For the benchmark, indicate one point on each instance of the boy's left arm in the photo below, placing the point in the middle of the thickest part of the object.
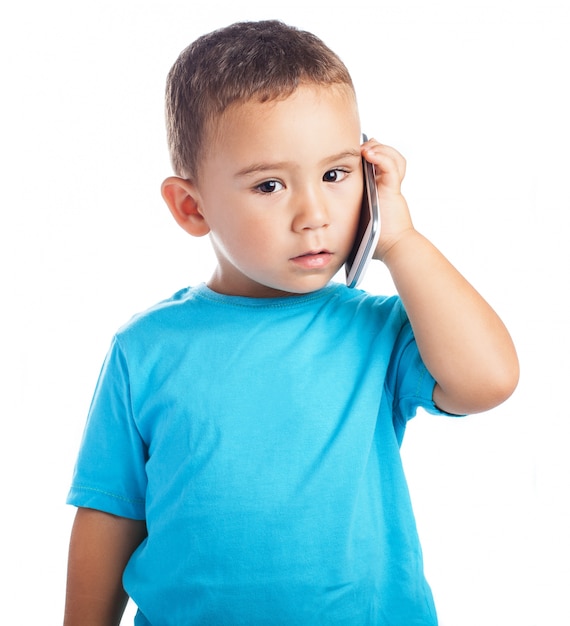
(462, 341)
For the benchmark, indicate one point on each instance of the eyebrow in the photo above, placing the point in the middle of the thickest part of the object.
(256, 168)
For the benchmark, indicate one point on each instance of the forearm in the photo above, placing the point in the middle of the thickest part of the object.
(463, 343)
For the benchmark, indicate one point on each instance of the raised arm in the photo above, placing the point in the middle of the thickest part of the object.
(100, 547)
(463, 343)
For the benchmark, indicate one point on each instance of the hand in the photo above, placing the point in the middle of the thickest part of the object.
(395, 219)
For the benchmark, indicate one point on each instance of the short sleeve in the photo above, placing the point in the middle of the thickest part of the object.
(409, 382)
(110, 470)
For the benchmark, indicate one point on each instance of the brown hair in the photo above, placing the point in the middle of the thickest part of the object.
(264, 60)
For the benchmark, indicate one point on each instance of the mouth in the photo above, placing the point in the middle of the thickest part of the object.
(314, 259)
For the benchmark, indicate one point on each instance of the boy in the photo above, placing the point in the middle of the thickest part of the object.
(240, 463)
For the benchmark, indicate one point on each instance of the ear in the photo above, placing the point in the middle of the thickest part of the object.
(183, 200)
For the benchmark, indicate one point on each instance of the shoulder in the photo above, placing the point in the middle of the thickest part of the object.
(379, 308)
(194, 309)
(166, 314)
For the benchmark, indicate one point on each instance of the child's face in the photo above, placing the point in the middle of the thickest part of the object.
(280, 189)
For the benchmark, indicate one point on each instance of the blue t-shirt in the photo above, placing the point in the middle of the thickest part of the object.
(259, 439)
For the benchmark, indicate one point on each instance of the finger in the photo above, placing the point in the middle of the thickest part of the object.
(388, 161)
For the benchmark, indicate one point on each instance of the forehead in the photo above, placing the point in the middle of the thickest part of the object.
(313, 119)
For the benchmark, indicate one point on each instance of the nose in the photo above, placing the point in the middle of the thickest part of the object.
(310, 211)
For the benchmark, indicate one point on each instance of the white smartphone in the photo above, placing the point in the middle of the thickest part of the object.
(368, 227)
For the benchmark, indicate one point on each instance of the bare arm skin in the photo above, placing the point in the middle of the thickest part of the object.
(100, 546)
(462, 341)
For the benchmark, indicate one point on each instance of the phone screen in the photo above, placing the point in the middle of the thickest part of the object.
(368, 228)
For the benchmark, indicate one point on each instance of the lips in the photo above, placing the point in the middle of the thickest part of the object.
(314, 259)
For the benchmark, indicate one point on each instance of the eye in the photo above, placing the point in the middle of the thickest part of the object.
(335, 176)
(269, 186)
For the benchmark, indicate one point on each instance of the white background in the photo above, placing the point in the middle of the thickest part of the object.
(474, 94)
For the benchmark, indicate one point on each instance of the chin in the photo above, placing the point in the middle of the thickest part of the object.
(309, 286)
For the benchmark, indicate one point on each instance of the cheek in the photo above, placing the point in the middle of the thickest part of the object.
(351, 217)
(249, 239)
